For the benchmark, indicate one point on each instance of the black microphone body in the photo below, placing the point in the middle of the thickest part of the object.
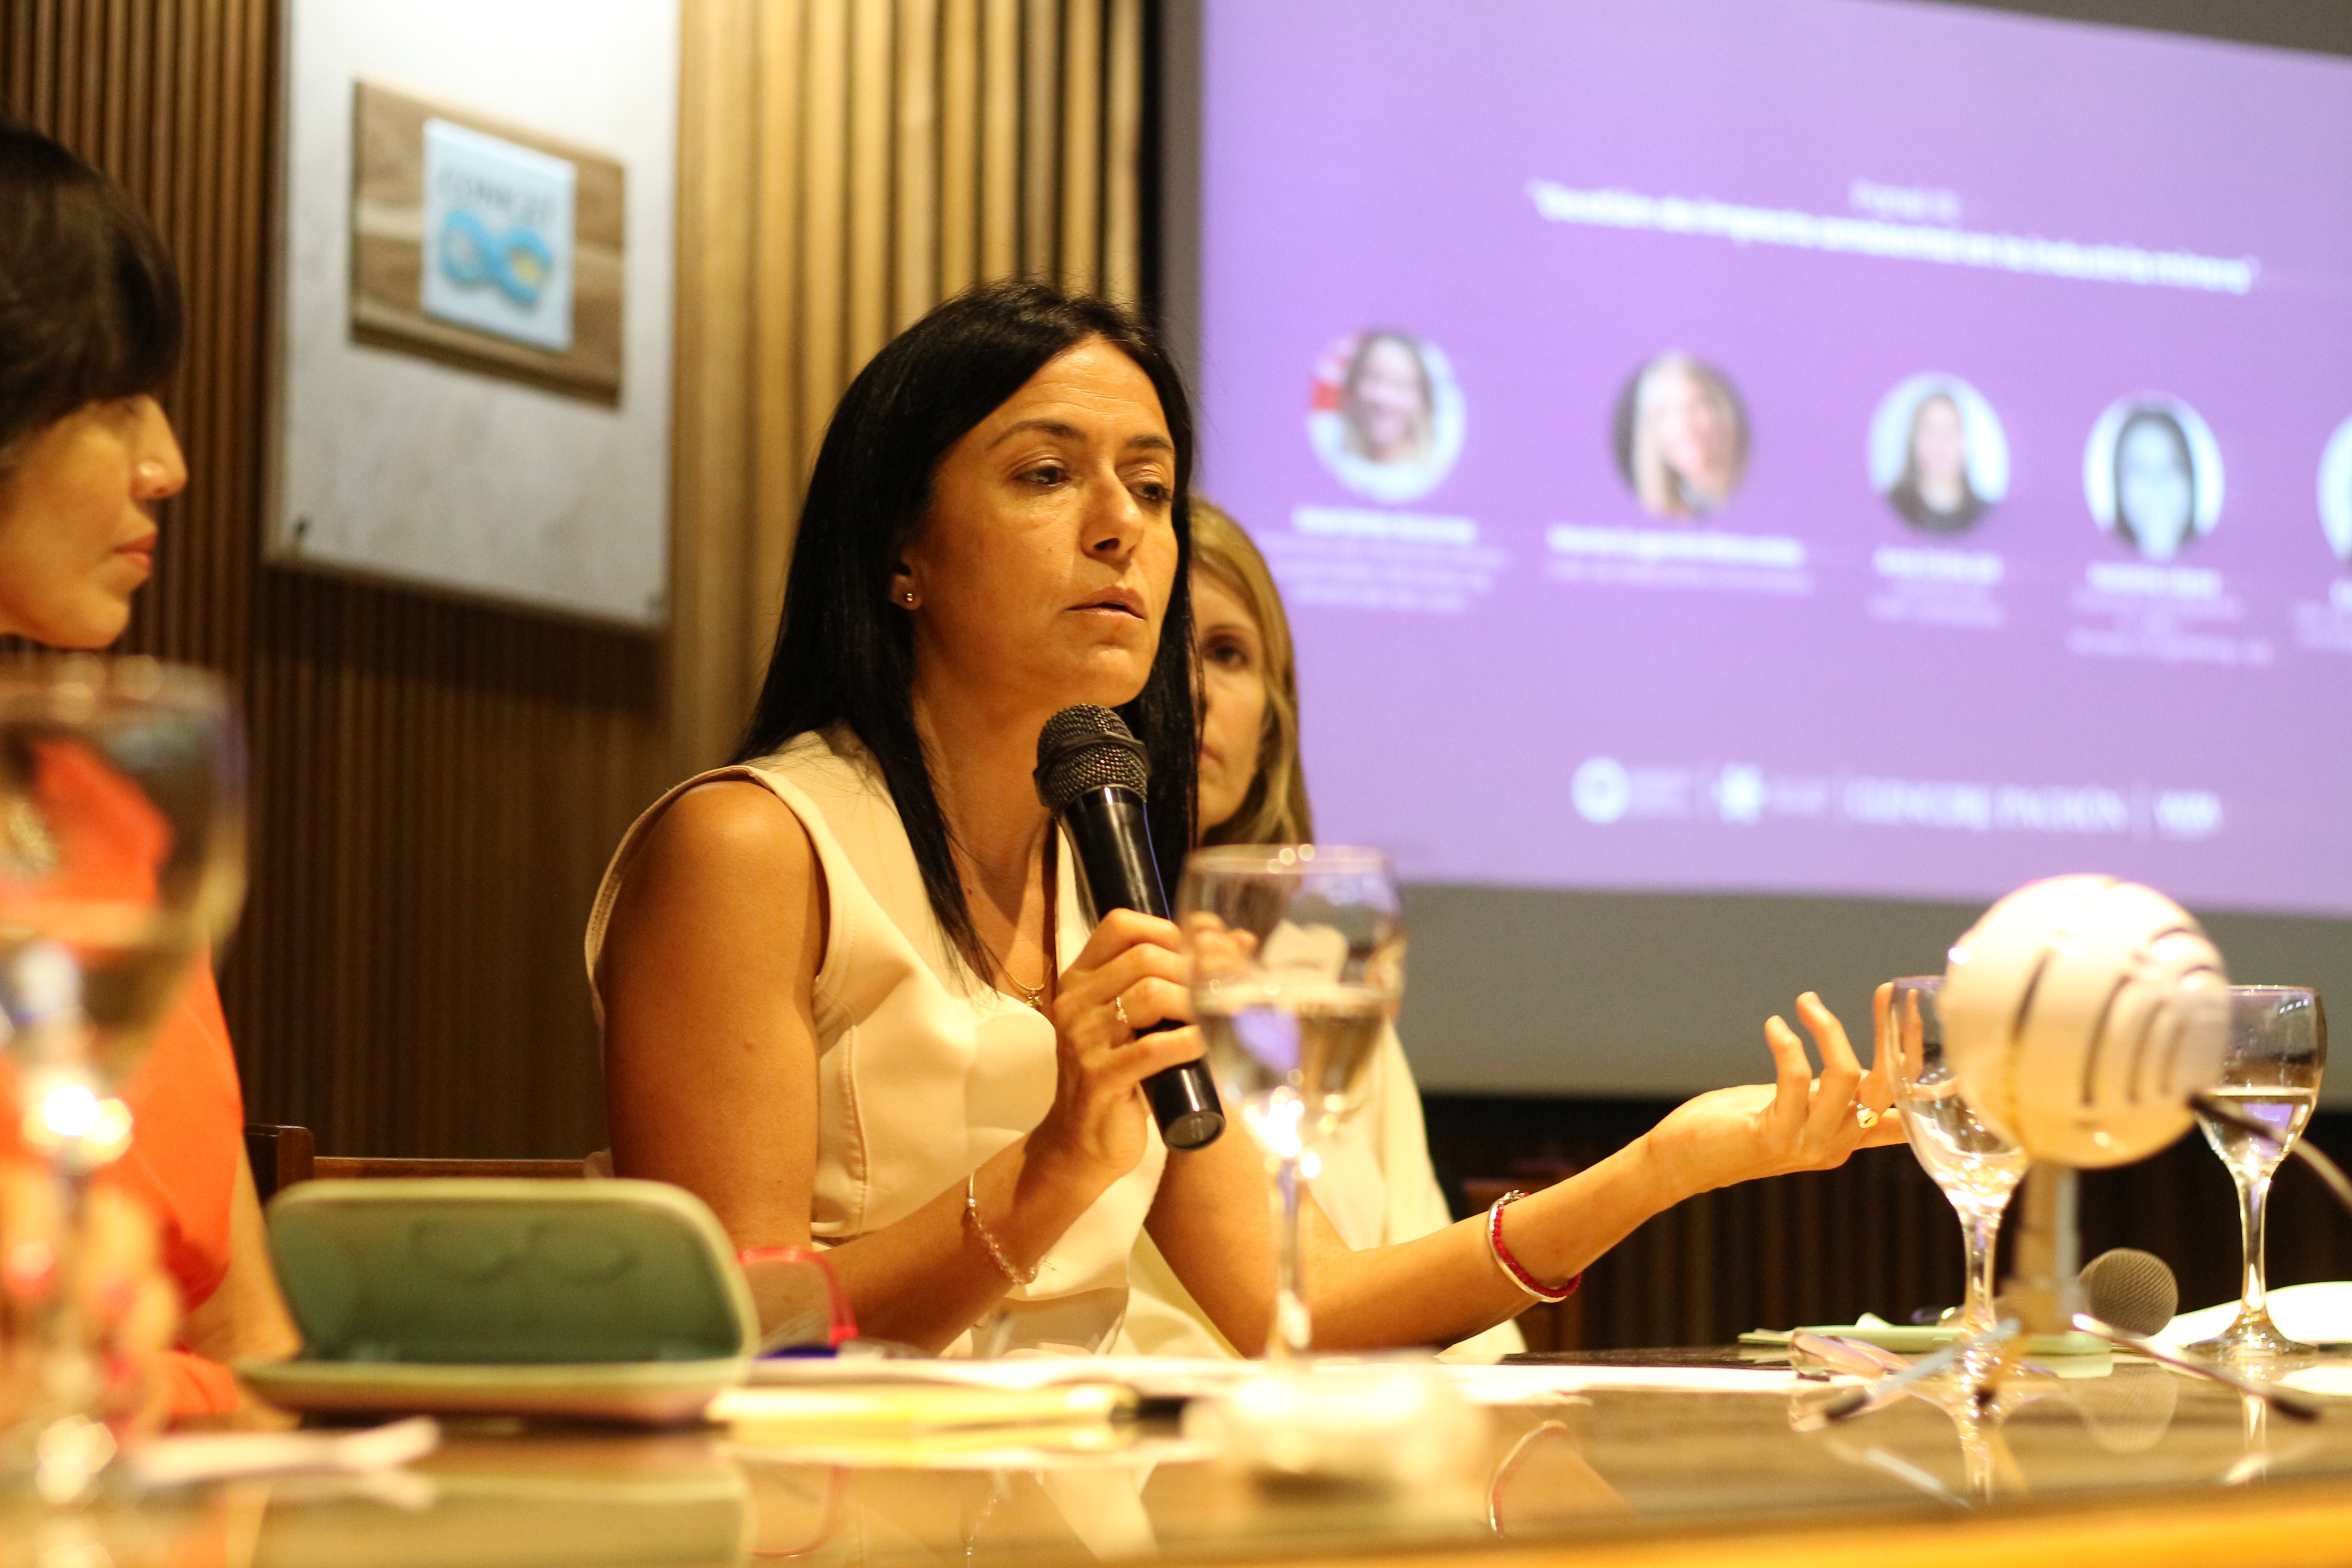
(1111, 836)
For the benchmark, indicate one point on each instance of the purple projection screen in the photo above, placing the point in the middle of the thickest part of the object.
(1838, 446)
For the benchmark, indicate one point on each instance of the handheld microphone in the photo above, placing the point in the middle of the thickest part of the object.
(1093, 777)
(2134, 1290)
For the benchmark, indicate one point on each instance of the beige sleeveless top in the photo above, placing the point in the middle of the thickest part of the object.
(923, 1070)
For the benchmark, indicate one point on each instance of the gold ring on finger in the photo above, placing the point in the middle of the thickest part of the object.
(1865, 1118)
(1118, 1005)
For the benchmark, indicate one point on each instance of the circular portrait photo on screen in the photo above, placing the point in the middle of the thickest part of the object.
(1387, 416)
(1938, 454)
(1681, 436)
(2152, 475)
(2336, 492)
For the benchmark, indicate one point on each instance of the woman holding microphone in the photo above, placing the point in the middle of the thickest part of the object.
(841, 1001)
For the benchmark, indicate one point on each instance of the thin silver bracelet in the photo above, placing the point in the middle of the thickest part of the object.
(995, 1253)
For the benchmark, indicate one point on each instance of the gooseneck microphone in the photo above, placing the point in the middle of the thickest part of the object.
(1093, 777)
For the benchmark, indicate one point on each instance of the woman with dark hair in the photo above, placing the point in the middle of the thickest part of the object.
(2156, 483)
(89, 331)
(1935, 493)
(845, 993)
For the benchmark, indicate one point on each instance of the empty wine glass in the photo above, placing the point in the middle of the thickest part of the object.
(2278, 1043)
(1297, 962)
(122, 860)
(1976, 1166)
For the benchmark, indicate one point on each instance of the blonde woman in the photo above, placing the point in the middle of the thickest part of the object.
(1682, 437)
(1377, 1187)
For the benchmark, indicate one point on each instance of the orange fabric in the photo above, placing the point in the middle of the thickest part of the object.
(187, 1110)
(192, 1385)
(187, 1126)
(107, 839)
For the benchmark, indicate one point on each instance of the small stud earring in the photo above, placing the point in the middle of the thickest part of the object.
(909, 596)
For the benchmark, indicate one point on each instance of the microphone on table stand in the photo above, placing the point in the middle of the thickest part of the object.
(1093, 777)
(2082, 1017)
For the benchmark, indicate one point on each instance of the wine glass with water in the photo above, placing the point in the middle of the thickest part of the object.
(1976, 1167)
(2278, 1043)
(1297, 964)
(121, 862)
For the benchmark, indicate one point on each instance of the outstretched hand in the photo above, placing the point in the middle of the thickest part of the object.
(1797, 1122)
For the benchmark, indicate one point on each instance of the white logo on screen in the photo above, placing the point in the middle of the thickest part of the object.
(1739, 793)
(1602, 790)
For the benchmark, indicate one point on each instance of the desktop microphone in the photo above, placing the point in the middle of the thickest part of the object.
(2081, 1015)
(1094, 775)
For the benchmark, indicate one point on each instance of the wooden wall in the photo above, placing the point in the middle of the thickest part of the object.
(846, 165)
(436, 785)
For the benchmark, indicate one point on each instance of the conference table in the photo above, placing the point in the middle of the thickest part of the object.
(2141, 1470)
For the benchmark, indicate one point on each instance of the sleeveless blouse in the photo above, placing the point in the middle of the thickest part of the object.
(924, 1071)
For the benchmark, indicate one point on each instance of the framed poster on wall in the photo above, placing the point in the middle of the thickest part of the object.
(473, 357)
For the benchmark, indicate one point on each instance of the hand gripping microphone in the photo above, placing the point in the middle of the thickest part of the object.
(1093, 776)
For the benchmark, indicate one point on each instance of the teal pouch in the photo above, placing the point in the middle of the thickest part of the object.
(606, 1299)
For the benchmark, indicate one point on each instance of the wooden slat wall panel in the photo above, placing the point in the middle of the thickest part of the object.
(436, 785)
(892, 152)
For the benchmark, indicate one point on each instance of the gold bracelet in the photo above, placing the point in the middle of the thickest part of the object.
(995, 1253)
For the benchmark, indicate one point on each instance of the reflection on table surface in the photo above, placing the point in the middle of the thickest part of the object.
(1596, 1468)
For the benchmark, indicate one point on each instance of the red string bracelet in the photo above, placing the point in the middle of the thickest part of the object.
(1510, 1265)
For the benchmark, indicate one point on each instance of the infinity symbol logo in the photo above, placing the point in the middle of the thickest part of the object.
(518, 262)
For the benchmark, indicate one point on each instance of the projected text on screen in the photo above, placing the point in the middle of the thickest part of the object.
(1820, 445)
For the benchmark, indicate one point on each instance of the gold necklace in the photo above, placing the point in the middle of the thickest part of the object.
(1031, 995)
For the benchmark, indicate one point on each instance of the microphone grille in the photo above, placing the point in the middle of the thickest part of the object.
(1083, 748)
(2134, 1290)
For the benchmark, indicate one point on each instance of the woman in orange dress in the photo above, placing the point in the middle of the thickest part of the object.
(89, 331)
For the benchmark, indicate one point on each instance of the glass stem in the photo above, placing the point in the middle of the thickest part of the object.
(1980, 1227)
(2253, 1209)
(1291, 1331)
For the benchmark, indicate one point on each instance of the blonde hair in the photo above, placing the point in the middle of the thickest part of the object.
(1275, 811)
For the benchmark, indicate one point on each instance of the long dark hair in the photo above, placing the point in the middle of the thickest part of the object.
(90, 302)
(2164, 420)
(844, 657)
